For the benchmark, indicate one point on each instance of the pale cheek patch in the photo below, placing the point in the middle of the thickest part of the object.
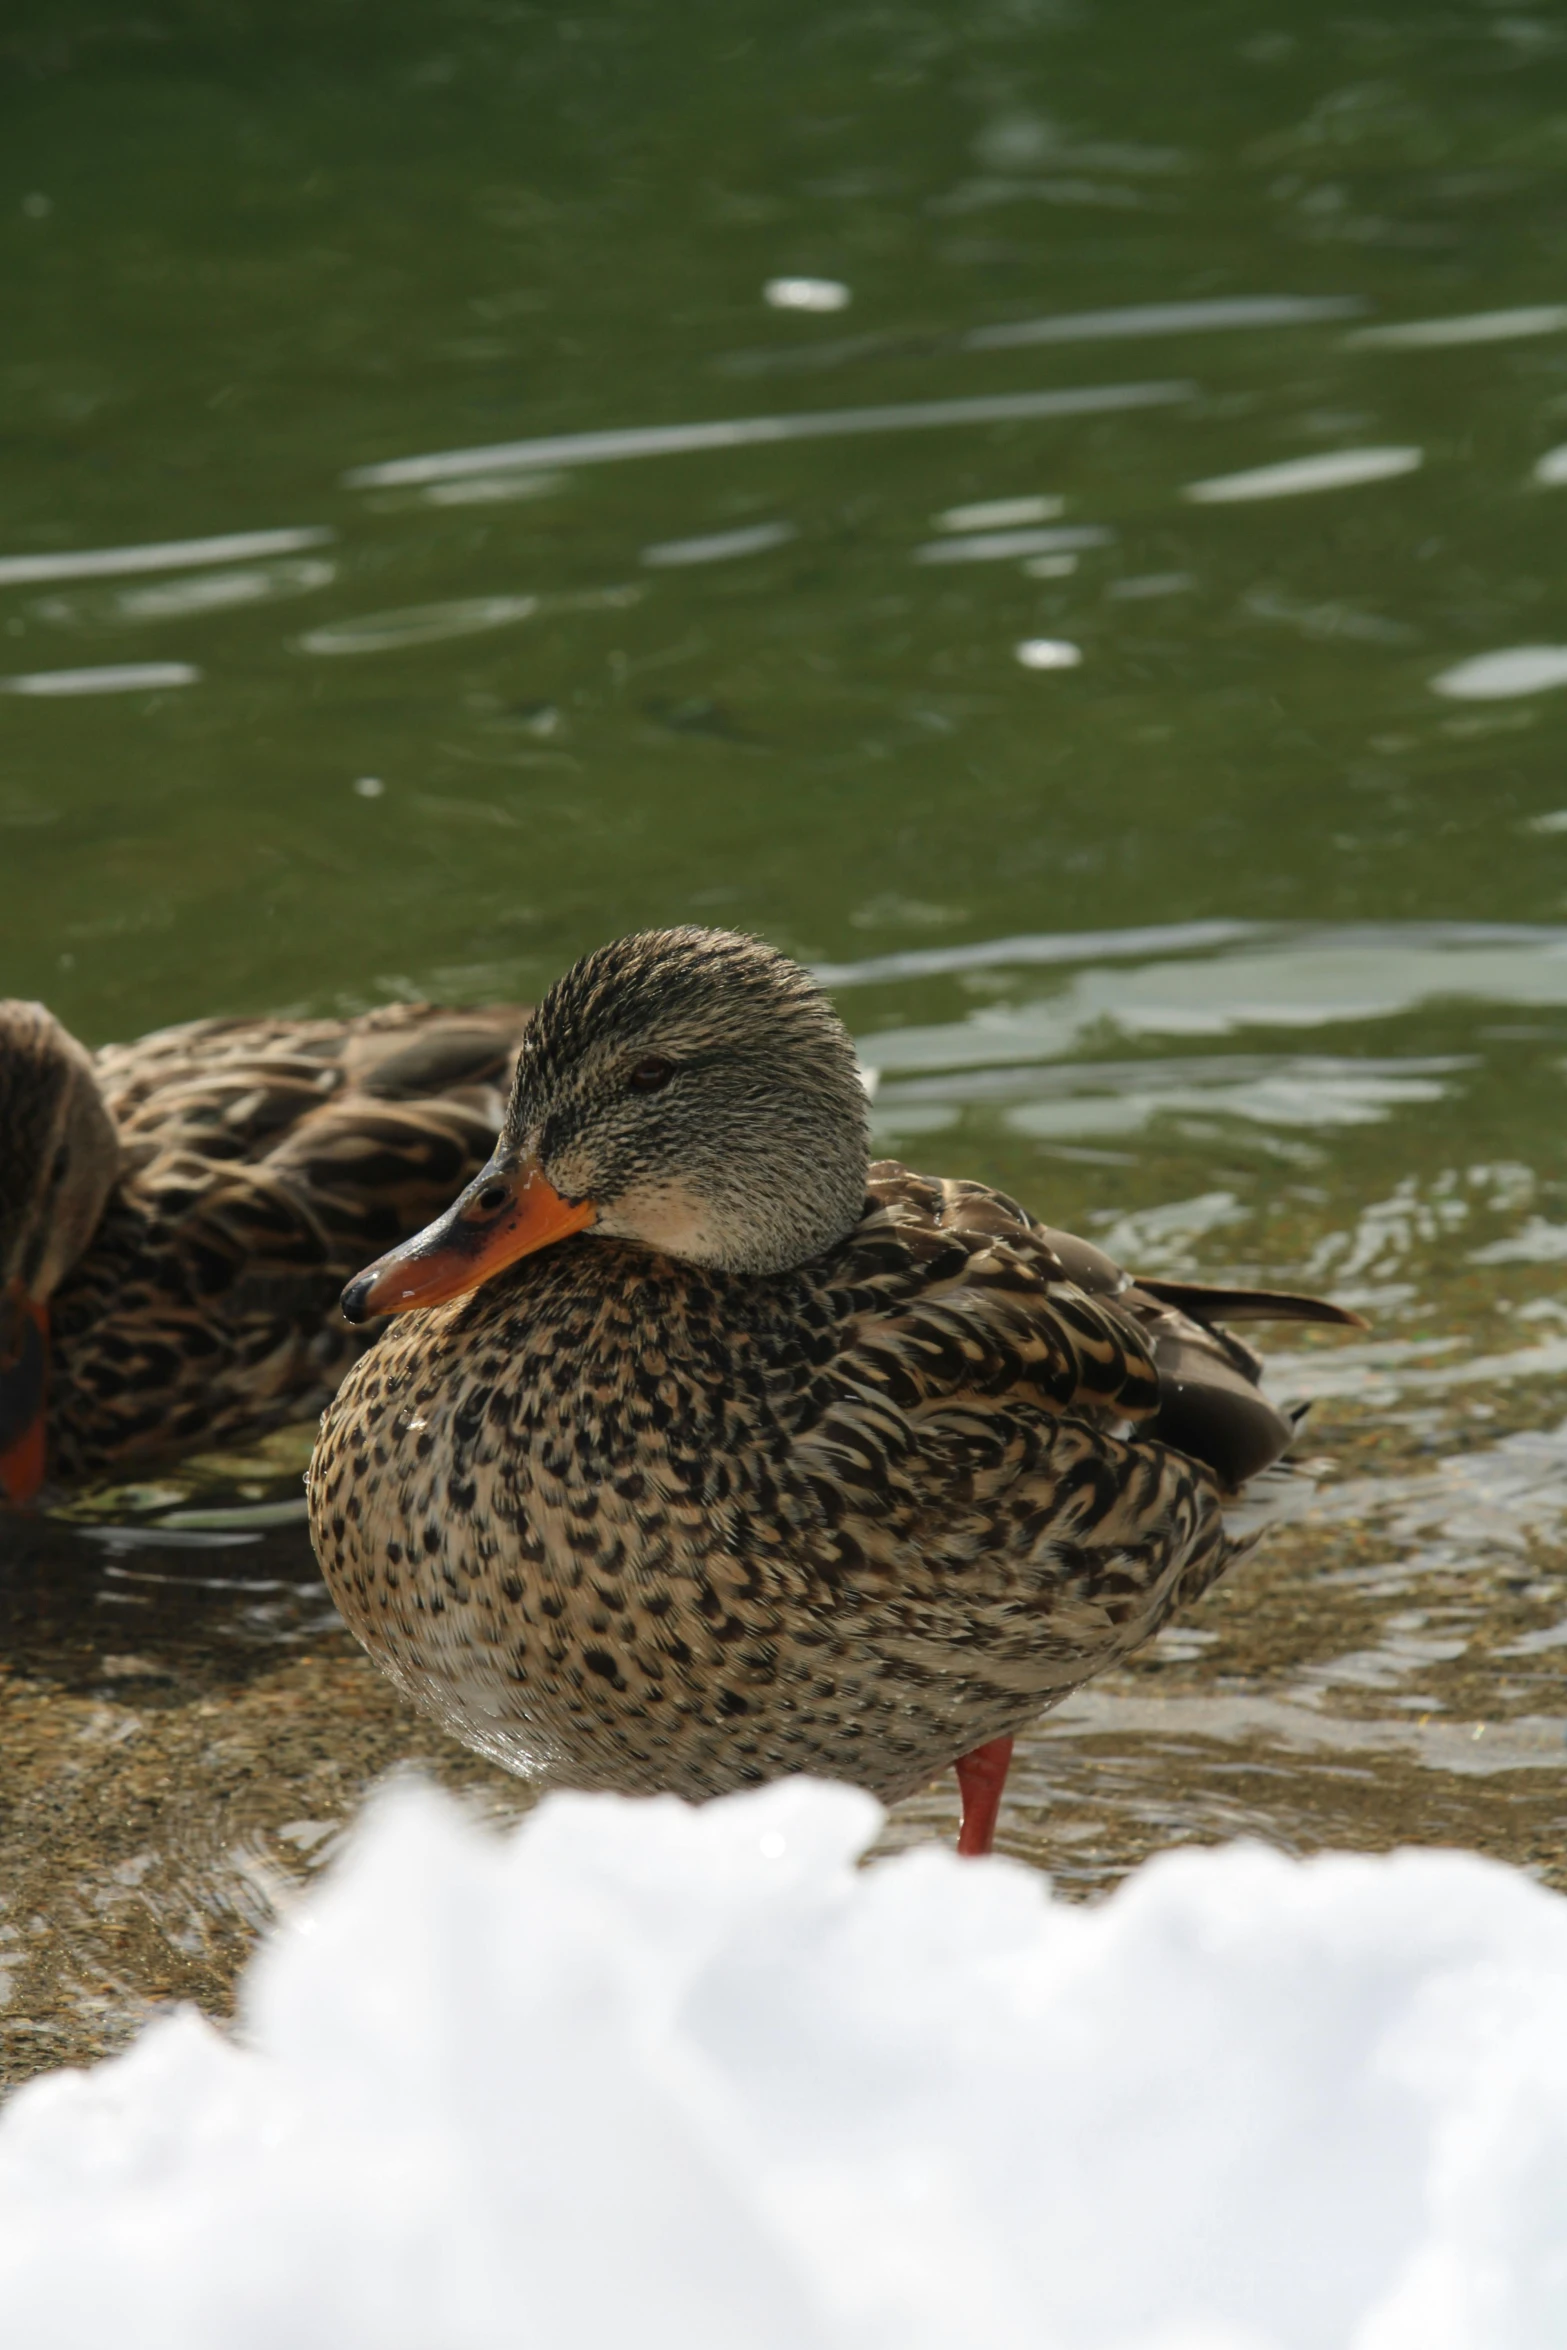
(668, 1217)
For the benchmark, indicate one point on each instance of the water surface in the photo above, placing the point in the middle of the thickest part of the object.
(1103, 607)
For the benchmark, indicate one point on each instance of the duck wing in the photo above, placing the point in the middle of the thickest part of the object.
(1030, 1450)
(970, 1296)
(977, 1457)
(957, 1294)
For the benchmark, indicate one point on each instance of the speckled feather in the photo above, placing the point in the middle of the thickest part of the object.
(262, 1161)
(629, 1522)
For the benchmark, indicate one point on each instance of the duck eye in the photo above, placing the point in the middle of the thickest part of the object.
(652, 1075)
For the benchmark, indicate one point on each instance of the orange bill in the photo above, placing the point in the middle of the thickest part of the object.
(507, 1212)
(24, 1380)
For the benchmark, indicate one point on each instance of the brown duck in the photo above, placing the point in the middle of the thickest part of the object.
(178, 1215)
(723, 1454)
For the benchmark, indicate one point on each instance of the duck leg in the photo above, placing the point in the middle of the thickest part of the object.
(981, 1777)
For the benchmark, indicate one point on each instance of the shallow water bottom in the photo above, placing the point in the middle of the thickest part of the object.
(189, 1729)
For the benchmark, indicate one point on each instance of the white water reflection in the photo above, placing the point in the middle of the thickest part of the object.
(178, 599)
(493, 489)
(1328, 621)
(167, 555)
(1539, 1243)
(1074, 1099)
(1552, 467)
(1292, 979)
(428, 624)
(1167, 1239)
(1479, 326)
(1133, 323)
(980, 195)
(719, 546)
(1165, 318)
(419, 624)
(676, 440)
(1061, 946)
(1499, 677)
(1000, 546)
(1523, 1742)
(1144, 586)
(1304, 1093)
(1333, 469)
(999, 514)
(1380, 1373)
(125, 677)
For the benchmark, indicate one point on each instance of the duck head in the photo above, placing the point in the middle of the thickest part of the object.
(689, 1089)
(59, 1159)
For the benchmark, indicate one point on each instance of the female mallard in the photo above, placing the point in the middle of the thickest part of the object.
(178, 1215)
(772, 1461)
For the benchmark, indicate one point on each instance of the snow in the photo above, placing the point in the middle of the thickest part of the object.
(641, 2074)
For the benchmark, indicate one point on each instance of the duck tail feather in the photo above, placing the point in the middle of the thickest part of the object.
(1208, 1304)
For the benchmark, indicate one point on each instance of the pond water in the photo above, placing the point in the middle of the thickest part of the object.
(1053, 518)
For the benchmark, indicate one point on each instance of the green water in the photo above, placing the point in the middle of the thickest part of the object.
(472, 717)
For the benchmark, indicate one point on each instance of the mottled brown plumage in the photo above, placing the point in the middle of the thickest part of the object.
(181, 1212)
(639, 1520)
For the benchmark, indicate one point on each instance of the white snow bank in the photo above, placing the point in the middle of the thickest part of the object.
(645, 2076)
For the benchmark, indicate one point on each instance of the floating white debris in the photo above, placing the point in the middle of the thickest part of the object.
(806, 293)
(998, 546)
(720, 546)
(694, 2079)
(169, 555)
(1164, 318)
(1552, 467)
(1334, 469)
(1479, 326)
(1049, 652)
(124, 677)
(419, 624)
(1499, 677)
(999, 514)
(741, 432)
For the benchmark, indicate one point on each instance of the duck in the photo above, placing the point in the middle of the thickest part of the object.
(178, 1215)
(702, 1449)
